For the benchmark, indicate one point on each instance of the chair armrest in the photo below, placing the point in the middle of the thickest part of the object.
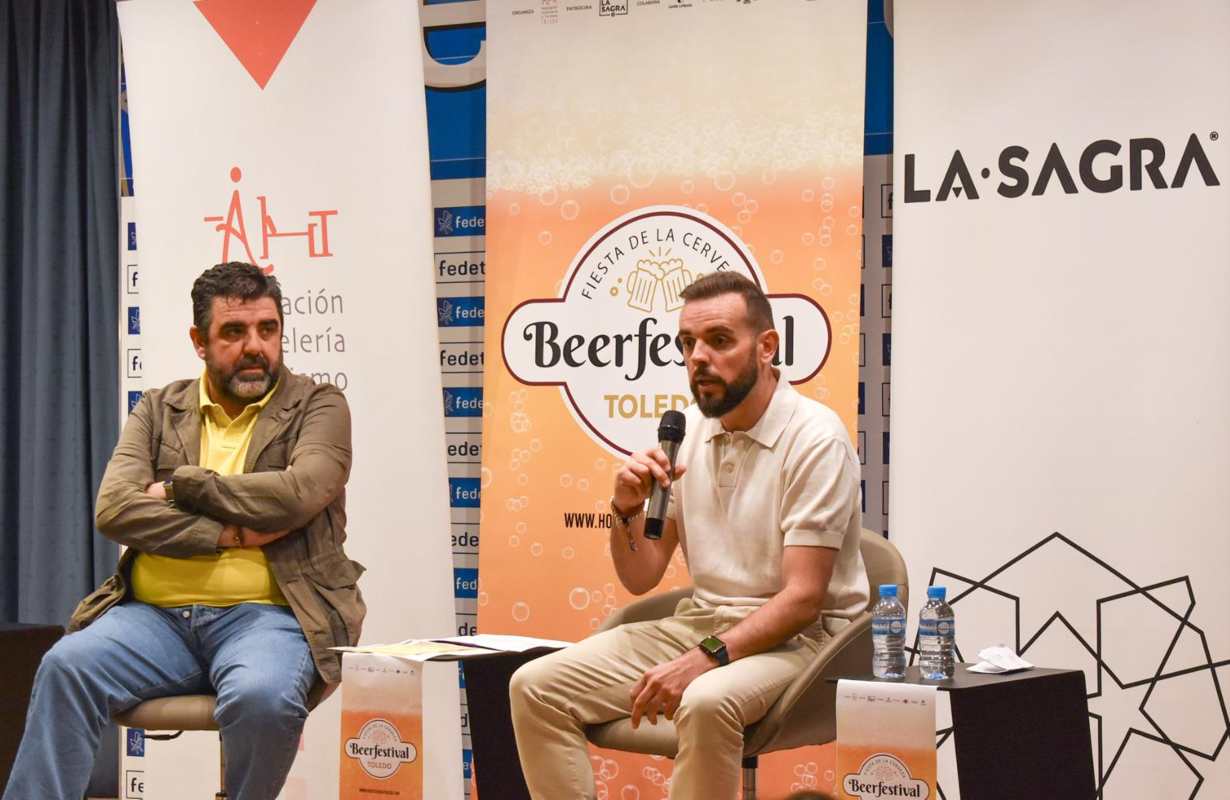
(805, 713)
(655, 606)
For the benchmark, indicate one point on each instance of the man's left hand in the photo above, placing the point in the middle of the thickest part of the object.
(660, 689)
(156, 490)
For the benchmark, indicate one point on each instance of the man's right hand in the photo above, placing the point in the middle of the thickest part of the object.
(237, 536)
(635, 478)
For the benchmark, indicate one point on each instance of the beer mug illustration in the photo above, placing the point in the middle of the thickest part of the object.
(674, 280)
(643, 285)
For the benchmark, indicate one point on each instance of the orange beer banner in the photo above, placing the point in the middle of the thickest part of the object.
(633, 147)
(885, 741)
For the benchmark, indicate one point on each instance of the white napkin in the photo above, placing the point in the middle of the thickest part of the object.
(997, 659)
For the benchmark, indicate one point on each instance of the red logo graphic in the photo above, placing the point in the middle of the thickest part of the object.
(258, 32)
(232, 226)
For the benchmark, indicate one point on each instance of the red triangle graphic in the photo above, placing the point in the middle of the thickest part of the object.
(258, 32)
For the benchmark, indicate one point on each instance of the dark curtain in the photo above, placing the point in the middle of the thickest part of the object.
(59, 243)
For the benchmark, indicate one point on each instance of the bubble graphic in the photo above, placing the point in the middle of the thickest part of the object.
(519, 421)
(768, 176)
(514, 541)
(569, 210)
(620, 194)
(483, 598)
(738, 199)
(687, 186)
(744, 216)
(544, 238)
(819, 265)
(583, 484)
(520, 611)
(595, 596)
(809, 239)
(828, 182)
(521, 527)
(642, 173)
(776, 256)
(514, 209)
(852, 229)
(568, 553)
(809, 195)
(523, 479)
(536, 549)
(753, 206)
(600, 463)
(535, 445)
(548, 196)
(629, 792)
(724, 181)
(565, 481)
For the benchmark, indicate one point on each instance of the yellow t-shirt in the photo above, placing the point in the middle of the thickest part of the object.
(234, 575)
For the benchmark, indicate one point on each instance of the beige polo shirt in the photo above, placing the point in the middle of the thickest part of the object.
(790, 480)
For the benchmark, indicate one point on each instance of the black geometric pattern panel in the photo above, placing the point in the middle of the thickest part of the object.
(1169, 664)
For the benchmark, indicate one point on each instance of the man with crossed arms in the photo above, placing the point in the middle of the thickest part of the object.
(229, 493)
(769, 522)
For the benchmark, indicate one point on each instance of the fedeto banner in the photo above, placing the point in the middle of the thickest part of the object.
(293, 135)
(633, 147)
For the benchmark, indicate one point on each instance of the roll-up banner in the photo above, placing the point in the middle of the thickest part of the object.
(632, 147)
(1061, 444)
(293, 135)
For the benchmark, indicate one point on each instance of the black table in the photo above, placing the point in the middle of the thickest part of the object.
(497, 765)
(21, 649)
(1021, 735)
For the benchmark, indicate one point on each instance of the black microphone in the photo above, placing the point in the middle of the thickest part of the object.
(670, 434)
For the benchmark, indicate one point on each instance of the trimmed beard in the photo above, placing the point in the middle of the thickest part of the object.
(239, 389)
(732, 393)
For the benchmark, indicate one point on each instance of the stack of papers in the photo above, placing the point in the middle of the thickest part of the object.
(455, 647)
(999, 659)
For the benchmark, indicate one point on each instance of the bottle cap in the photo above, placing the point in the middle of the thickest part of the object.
(936, 592)
(888, 590)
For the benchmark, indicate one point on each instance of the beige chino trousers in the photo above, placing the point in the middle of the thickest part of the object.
(555, 697)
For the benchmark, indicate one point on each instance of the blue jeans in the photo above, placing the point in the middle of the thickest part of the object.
(253, 656)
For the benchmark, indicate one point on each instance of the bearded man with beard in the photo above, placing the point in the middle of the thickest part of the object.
(228, 491)
(765, 506)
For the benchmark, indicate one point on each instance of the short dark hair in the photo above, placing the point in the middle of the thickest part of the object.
(759, 312)
(233, 279)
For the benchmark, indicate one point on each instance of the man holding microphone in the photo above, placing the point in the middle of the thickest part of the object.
(765, 506)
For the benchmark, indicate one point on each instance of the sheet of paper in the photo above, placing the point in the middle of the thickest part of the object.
(416, 650)
(509, 644)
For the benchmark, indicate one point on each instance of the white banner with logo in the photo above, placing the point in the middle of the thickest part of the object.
(292, 135)
(885, 740)
(1061, 446)
(633, 147)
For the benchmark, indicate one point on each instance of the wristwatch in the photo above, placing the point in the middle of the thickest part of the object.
(168, 486)
(715, 648)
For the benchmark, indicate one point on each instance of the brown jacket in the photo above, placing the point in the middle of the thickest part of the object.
(294, 477)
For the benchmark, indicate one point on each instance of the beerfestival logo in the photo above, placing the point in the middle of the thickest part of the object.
(379, 749)
(884, 775)
(610, 340)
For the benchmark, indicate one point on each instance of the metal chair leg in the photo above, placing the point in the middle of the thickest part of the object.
(221, 793)
(749, 777)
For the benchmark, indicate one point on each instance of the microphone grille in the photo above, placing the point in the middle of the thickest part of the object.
(672, 426)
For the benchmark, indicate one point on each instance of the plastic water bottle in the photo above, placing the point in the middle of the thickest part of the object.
(888, 635)
(936, 629)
